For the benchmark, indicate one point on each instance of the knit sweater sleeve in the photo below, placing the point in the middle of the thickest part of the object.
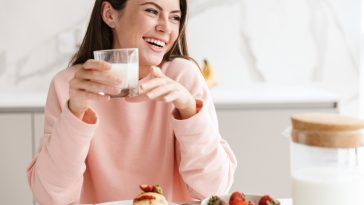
(206, 161)
(55, 174)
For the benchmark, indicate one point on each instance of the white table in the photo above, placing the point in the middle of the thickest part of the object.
(129, 202)
(286, 201)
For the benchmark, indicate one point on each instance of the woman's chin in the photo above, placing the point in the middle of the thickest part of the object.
(151, 61)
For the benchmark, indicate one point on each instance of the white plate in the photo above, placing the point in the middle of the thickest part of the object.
(248, 197)
(126, 202)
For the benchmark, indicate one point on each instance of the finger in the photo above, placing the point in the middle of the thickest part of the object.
(157, 72)
(94, 87)
(151, 84)
(89, 96)
(172, 96)
(104, 77)
(161, 91)
(96, 65)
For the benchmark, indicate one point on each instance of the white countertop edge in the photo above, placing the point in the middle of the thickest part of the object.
(250, 97)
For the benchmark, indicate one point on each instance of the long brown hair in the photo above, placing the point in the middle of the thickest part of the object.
(99, 35)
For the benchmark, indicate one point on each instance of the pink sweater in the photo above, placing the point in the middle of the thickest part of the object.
(131, 143)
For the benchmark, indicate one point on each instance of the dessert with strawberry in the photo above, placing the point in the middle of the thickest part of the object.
(268, 200)
(239, 198)
(151, 195)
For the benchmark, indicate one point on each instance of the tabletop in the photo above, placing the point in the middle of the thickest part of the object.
(129, 202)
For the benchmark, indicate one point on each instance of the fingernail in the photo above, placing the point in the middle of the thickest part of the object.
(167, 98)
(143, 86)
(150, 95)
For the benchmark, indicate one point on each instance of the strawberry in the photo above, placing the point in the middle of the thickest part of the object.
(146, 188)
(237, 198)
(246, 203)
(151, 188)
(268, 200)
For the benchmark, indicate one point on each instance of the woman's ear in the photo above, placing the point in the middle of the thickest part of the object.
(108, 14)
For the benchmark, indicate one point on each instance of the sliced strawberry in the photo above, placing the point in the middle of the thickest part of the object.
(268, 200)
(146, 187)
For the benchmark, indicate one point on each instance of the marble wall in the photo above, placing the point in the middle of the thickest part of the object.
(37, 39)
(246, 41)
(279, 41)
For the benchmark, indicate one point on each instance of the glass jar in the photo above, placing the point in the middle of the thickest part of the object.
(327, 159)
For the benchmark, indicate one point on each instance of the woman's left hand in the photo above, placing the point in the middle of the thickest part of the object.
(163, 88)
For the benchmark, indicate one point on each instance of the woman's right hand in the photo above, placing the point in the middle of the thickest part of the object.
(92, 79)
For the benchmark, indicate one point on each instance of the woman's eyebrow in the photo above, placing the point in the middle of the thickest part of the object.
(159, 7)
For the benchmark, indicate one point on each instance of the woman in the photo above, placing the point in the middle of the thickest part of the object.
(97, 149)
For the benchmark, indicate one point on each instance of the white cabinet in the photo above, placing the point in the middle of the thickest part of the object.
(15, 155)
(38, 129)
(261, 150)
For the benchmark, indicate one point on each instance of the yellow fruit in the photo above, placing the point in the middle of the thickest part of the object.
(208, 74)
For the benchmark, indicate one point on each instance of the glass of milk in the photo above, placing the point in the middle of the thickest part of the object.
(125, 64)
(327, 159)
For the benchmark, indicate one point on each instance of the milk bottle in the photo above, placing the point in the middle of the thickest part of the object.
(327, 159)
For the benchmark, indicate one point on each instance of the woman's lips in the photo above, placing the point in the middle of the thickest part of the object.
(154, 47)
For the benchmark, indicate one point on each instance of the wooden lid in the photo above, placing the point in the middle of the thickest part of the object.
(327, 130)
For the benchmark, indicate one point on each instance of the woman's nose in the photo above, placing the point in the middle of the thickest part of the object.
(164, 25)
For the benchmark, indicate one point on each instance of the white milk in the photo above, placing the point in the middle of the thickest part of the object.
(327, 186)
(128, 72)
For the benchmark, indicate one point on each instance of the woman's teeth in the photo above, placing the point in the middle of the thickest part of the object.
(154, 42)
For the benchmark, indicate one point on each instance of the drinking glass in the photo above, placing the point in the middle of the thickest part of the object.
(125, 64)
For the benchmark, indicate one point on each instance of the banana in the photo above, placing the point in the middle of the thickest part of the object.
(208, 74)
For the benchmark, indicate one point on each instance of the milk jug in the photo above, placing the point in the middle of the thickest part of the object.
(327, 159)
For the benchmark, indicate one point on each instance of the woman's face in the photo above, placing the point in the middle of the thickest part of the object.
(152, 26)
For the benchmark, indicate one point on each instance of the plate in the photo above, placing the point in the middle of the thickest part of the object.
(248, 197)
(126, 202)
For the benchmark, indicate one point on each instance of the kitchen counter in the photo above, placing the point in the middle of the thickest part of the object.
(258, 96)
(22, 102)
(265, 96)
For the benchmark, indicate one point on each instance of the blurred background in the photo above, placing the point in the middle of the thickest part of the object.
(282, 42)
(268, 59)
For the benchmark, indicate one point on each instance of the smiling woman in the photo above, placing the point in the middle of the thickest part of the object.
(97, 149)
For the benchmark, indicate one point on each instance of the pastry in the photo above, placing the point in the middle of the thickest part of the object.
(151, 195)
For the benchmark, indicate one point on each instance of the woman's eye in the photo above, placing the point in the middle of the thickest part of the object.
(152, 11)
(176, 18)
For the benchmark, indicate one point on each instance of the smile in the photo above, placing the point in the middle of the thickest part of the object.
(155, 42)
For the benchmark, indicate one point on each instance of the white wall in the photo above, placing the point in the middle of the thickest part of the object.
(31, 39)
(286, 42)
